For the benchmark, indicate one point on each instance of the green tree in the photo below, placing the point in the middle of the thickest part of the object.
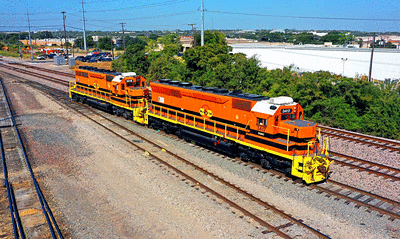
(132, 41)
(106, 43)
(133, 59)
(43, 35)
(332, 36)
(167, 67)
(345, 38)
(211, 37)
(80, 43)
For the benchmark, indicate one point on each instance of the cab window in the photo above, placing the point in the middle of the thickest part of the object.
(292, 116)
(123, 87)
(262, 121)
(284, 117)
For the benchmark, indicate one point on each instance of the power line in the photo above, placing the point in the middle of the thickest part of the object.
(141, 7)
(75, 28)
(140, 18)
(13, 26)
(37, 13)
(307, 17)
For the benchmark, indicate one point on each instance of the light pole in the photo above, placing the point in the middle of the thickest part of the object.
(65, 35)
(344, 60)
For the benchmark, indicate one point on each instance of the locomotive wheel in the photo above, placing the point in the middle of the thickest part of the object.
(179, 134)
(265, 163)
(165, 129)
(126, 115)
(288, 172)
(244, 157)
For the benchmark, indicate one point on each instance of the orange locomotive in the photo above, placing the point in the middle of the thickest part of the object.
(267, 130)
(123, 94)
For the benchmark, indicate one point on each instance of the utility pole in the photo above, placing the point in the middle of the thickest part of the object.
(123, 34)
(65, 35)
(84, 26)
(30, 39)
(194, 40)
(372, 56)
(343, 59)
(202, 22)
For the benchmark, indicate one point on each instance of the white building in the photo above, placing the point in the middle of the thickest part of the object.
(351, 62)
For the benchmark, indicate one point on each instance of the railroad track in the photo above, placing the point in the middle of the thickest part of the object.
(48, 78)
(361, 138)
(367, 166)
(19, 177)
(360, 198)
(42, 69)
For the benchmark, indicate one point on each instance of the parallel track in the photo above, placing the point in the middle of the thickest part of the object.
(383, 170)
(11, 137)
(42, 69)
(49, 78)
(361, 138)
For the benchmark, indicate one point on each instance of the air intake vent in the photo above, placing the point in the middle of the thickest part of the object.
(208, 88)
(174, 82)
(164, 80)
(185, 84)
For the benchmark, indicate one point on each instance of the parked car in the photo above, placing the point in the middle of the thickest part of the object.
(51, 55)
(79, 58)
(92, 60)
(41, 57)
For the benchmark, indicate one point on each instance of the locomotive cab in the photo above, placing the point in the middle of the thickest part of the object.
(130, 84)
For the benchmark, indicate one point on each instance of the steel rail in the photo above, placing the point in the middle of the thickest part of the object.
(44, 69)
(393, 148)
(361, 203)
(396, 170)
(388, 200)
(45, 208)
(383, 174)
(49, 78)
(15, 219)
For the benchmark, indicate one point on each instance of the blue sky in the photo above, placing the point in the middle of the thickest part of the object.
(105, 15)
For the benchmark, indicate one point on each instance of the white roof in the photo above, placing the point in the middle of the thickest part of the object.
(264, 106)
(119, 78)
(126, 74)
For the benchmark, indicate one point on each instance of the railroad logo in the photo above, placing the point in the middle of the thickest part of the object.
(96, 85)
(205, 111)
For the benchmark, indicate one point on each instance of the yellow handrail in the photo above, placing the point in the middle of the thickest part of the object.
(205, 120)
(288, 135)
